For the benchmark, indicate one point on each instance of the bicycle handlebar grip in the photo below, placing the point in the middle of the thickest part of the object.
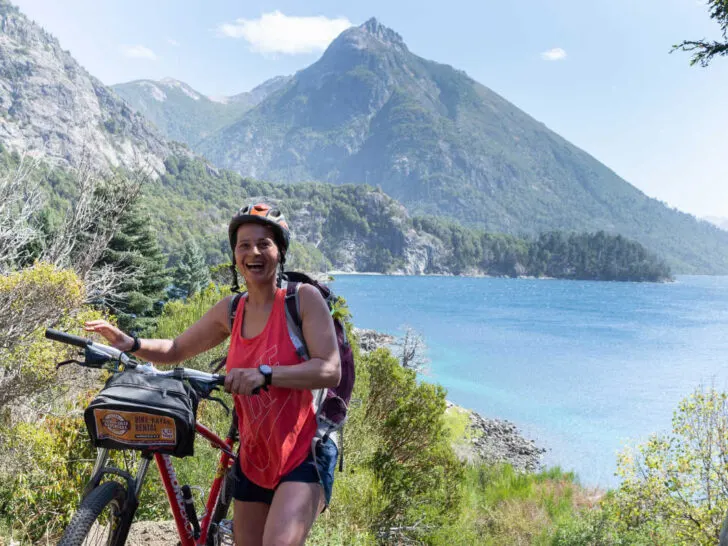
(219, 379)
(63, 337)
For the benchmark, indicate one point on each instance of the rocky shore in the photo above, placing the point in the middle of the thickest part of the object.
(489, 440)
(497, 441)
(369, 340)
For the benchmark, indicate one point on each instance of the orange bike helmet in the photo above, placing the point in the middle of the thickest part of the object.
(265, 215)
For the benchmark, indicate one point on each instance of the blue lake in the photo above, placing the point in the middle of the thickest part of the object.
(581, 367)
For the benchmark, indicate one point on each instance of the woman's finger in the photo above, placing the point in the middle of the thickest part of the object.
(237, 386)
(229, 378)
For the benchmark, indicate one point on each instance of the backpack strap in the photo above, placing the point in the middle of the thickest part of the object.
(233, 307)
(295, 332)
(219, 364)
(293, 319)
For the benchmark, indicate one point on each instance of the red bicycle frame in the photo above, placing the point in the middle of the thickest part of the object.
(174, 489)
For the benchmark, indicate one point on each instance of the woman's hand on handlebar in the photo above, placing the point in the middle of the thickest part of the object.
(243, 380)
(111, 333)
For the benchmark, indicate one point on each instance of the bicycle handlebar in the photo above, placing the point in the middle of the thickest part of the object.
(113, 353)
(179, 372)
(88, 344)
(63, 337)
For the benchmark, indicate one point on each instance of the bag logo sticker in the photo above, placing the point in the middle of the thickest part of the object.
(116, 423)
(134, 428)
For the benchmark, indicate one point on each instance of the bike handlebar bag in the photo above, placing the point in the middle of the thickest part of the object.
(144, 412)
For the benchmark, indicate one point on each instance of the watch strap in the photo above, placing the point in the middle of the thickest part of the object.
(267, 377)
(135, 345)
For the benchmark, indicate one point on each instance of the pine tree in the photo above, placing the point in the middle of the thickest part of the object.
(191, 273)
(136, 249)
(704, 50)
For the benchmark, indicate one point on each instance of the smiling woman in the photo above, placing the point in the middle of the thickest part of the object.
(283, 477)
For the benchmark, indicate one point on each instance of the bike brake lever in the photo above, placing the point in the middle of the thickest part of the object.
(94, 358)
(205, 391)
(67, 362)
(219, 401)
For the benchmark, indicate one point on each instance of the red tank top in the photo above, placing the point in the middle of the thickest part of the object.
(276, 427)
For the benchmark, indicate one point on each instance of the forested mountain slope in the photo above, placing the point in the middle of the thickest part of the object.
(370, 111)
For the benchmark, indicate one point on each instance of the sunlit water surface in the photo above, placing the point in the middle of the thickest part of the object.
(580, 367)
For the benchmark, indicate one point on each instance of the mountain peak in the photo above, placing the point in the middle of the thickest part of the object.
(382, 33)
(182, 86)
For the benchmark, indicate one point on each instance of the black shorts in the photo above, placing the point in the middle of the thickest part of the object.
(309, 471)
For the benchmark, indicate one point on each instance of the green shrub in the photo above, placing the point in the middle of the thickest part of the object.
(412, 457)
(45, 466)
(677, 481)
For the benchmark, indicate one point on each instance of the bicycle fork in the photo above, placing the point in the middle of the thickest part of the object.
(185, 527)
(133, 488)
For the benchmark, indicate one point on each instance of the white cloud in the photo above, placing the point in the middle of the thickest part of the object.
(138, 52)
(278, 33)
(555, 54)
(173, 42)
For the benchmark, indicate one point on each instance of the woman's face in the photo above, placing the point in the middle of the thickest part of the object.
(256, 253)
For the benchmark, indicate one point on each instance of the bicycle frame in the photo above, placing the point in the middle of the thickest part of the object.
(172, 487)
(174, 490)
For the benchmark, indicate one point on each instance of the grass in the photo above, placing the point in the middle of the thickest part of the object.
(502, 506)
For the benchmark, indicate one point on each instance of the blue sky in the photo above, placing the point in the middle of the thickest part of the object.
(597, 72)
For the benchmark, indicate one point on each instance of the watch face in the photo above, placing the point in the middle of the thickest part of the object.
(265, 369)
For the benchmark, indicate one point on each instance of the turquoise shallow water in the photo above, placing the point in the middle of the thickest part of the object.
(581, 367)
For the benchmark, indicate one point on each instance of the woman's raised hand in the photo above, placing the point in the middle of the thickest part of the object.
(111, 333)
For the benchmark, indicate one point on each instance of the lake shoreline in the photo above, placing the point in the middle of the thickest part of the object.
(493, 441)
(333, 274)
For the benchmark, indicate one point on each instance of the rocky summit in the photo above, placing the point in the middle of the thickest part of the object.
(50, 107)
(371, 111)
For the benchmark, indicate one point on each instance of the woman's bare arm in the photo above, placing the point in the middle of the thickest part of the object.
(210, 330)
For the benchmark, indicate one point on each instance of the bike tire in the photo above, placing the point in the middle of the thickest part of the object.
(82, 530)
(220, 512)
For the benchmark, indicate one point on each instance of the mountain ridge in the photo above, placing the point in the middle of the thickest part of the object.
(370, 111)
(184, 114)
(51, 107)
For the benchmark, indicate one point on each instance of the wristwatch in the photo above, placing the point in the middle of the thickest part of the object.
(267, 372)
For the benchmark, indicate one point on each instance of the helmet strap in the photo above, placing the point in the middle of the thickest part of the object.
(279, 277)
(236, 285)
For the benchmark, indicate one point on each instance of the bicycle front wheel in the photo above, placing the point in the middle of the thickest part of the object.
(99, 518)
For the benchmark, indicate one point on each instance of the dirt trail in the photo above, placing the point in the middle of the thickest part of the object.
(152, 533)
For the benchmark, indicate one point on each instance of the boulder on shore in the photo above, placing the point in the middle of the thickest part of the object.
(497, 441)
(370, 340)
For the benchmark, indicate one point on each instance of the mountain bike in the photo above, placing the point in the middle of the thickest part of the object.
(111, 496)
